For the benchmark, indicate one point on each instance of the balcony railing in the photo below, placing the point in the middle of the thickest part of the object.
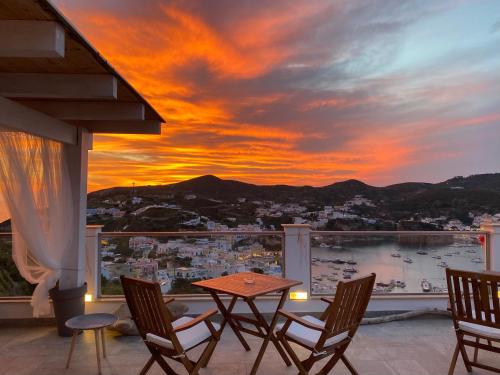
(317, 258)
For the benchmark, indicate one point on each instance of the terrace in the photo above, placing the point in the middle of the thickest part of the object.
(411, 347)
(59, 89)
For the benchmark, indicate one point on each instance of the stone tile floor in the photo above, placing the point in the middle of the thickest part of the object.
(413, 347)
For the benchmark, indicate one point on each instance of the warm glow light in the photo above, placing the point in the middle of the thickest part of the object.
(88, 297)
(298, 296)
(498, 294)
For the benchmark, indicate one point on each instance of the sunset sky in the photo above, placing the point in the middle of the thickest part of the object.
(301, 92)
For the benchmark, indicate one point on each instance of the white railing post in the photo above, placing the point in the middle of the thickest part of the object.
(298, 255)
(493, 242)
(92, 254)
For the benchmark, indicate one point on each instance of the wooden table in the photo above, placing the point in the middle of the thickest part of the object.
(96, 322)
(248, 286)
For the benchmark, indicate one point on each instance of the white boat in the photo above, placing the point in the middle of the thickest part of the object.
(408, 260)
(443, 264)
(476, 260)
(426, 286)
(322, 244)
(436, 256)
(421, 252)
(396, 255)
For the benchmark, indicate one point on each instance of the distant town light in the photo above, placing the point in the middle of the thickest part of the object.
(298, 296)
(88, 297)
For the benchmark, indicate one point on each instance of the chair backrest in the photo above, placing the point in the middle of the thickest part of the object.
(148, 311)
(349, 306)
(474, 297)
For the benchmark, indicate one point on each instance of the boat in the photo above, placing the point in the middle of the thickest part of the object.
(351, 270)
(351, 262)
(338, 261)
(347, 276)
(331, 278)
(408, 260)
(382, 285)
(443, 264)
(436, 256)
(422, 252)
(426, 286)
(470, 251)
(448, 255)
(476, 260)
(322, 244)
(400, 284)
(396, 255)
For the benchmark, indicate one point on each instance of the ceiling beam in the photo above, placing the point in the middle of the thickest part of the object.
(70, 110)
(16, 116)
(121, 127)
(58, 86)
(22, 38)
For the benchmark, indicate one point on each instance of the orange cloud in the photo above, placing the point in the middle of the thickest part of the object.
(266, 94)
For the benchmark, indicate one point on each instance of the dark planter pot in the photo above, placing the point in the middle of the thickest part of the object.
(67, 304)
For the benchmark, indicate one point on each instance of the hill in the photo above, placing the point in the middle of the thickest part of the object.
(232, 202)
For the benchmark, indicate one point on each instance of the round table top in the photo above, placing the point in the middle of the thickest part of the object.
(91, 321)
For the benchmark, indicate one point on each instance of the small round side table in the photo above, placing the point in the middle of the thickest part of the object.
(95, 322)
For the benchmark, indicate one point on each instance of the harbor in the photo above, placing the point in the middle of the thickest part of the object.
(400, 268)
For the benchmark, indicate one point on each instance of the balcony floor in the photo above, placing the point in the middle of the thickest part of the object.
(414, 347)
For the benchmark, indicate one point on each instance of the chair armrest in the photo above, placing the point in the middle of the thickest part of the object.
(167, 300)
(295, 318)
(327, 300)
(200, 318)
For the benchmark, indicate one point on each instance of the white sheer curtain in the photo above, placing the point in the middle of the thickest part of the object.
(35, 185)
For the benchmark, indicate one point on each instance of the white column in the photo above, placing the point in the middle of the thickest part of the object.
(73, 272)
(494, 244)
(298, 255)
(92, 267)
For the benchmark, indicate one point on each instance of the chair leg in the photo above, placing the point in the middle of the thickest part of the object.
(148, 365)
(309, 362)
(465, 357)
(333, 361)
(293, 356)
(348, 365)
(164, 365)
(205, 356)
(476, 350)
(454, 360)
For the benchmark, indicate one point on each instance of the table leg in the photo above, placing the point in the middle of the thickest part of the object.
(266, 328)
(103, 343)
(226, 314)
(98, 349)
(72, 347)
(270, 333)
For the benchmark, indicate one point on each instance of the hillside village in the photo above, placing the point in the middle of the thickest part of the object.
(173, 260)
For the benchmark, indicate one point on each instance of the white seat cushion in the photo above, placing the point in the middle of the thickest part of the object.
(308, 336)
(187, 338)
(479, 329)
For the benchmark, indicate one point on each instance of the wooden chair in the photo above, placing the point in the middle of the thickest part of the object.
(475, 308)
(164, 337)
(333, 332)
